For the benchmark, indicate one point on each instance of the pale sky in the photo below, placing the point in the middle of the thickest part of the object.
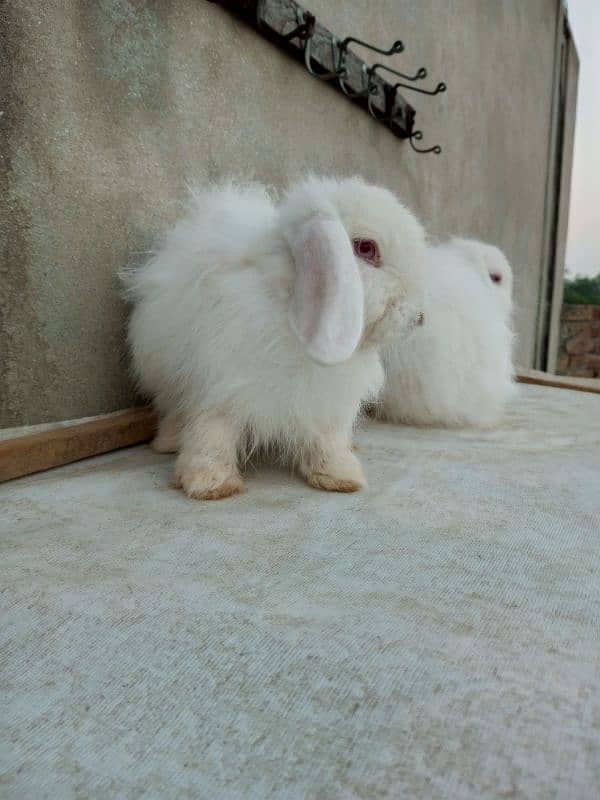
(583, 244)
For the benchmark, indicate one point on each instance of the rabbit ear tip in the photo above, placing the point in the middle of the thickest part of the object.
(327, 359)
(324, 354)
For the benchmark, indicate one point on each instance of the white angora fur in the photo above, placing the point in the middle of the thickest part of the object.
(457, 369)
(256, 326)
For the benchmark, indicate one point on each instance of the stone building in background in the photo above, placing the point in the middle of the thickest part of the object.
(579, 353)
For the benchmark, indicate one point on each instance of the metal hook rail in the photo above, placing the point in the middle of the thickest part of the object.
(329, 58)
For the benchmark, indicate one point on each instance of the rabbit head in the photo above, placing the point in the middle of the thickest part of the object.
(493, 266)
(358, 256)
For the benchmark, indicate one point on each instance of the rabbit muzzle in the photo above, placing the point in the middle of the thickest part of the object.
(399, 319)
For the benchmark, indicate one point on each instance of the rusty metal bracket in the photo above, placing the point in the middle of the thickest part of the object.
(328, 58)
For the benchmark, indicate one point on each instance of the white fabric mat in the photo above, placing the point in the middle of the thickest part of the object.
(436, 636)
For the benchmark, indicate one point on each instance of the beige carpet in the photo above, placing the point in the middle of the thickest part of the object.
(437, 636)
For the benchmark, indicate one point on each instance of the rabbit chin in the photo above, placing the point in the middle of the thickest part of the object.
(397, 323)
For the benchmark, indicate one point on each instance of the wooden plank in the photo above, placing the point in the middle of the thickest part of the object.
(35, 452)
(24, 455)
(538, 378)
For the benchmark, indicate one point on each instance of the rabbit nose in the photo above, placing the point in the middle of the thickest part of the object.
(420, 318)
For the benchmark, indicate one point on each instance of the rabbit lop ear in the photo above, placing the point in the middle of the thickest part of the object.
(326, 310)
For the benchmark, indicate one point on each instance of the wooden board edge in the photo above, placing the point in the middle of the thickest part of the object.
(36, 452)
(25, 455)
(557, 381)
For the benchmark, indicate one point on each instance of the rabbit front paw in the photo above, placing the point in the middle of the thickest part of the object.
(339, 471)
(202, 482)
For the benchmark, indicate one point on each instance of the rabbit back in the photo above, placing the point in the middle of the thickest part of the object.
(188, 295)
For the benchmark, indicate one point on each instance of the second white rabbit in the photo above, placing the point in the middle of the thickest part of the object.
(457, 370)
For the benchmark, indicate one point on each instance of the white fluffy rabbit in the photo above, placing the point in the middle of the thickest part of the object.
(457, 370)
(258, 325)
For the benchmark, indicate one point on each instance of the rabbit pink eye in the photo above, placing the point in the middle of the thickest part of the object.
(367, 250)
(496, 277)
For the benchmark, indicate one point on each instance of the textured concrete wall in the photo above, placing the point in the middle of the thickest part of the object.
(112, 106)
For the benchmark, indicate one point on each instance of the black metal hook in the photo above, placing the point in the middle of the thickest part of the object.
(439, 89)
(339, 62)
(418, 135)
(397, 47)
(418, 76)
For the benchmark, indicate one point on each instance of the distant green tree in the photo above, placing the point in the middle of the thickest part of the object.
(581, 289)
